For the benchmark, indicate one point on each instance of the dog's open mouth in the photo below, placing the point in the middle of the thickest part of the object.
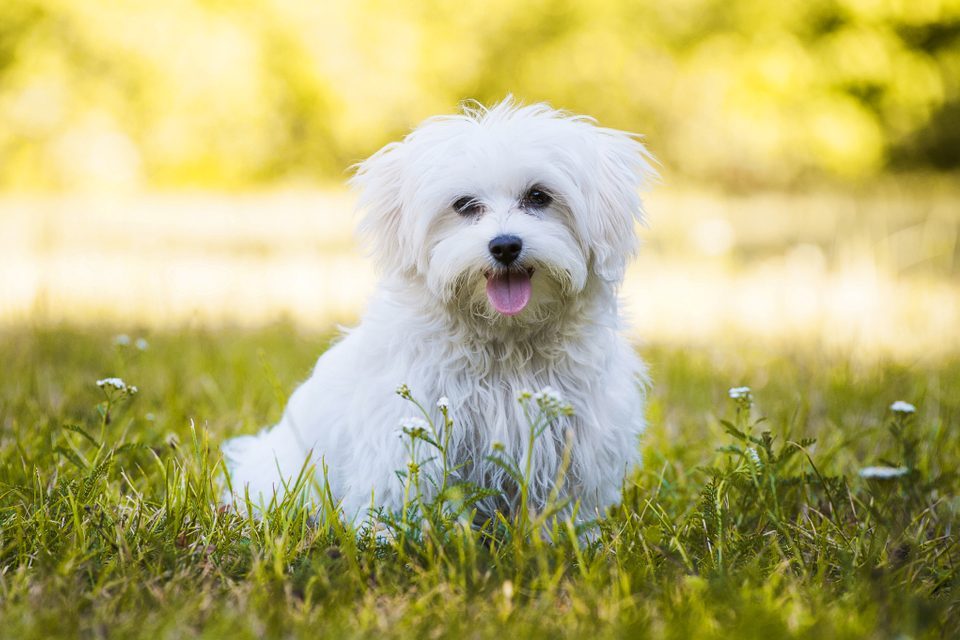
(509, 291)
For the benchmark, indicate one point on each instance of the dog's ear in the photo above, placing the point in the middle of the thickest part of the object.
(623, 168)
(379, 183)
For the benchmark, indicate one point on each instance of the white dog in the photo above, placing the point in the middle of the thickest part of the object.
(502, 235)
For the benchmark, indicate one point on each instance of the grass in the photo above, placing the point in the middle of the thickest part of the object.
(110, 524)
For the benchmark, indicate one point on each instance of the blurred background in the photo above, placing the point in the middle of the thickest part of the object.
(174, 162)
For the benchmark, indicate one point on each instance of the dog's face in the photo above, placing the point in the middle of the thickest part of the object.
(504, 213)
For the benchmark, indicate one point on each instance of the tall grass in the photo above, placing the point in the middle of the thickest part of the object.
(750, 517)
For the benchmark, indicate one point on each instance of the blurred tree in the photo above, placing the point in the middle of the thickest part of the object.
(216, 93)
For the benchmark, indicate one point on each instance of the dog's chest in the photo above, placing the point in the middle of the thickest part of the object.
(500, 414)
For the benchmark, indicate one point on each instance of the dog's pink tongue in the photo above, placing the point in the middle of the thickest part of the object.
(509, 292)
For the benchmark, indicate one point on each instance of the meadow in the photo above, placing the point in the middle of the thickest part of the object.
(172, 215)
(830, 305)
(746, 521)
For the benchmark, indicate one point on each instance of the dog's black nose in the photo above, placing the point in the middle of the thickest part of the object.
(505, 249)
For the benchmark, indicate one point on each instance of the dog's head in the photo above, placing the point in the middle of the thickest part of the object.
(503, 212)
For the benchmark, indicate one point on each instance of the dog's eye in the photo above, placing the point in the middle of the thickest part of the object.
(536, 198)
(467, 206)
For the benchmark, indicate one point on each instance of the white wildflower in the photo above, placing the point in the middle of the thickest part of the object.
(413, 422)
(525, 394)
(883, 473)
(549, 395)
(122, 340)
(443, 403)
(551, 401)
(115, 383)
(142, 344)
(902, 407)
(739, 392)
(413, 427)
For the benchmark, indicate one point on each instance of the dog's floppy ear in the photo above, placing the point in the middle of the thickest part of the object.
(379, 183)
(623, 167)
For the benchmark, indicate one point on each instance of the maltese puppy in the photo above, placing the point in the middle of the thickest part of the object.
(502, 235)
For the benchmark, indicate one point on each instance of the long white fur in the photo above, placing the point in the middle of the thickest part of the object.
(430, 325)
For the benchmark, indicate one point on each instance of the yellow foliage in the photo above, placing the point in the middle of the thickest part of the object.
(214, 93)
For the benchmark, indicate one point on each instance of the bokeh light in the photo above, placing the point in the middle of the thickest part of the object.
(181, 160)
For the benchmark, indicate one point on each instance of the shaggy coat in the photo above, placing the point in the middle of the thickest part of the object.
(432, 205)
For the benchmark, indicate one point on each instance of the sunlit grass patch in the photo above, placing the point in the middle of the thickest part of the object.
(754, 516)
